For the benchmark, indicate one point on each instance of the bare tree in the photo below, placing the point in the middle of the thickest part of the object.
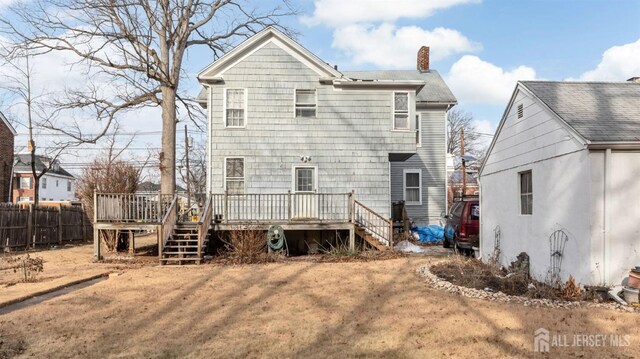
(196, 178)
(459, 121)
(140, 47)
(19, 83)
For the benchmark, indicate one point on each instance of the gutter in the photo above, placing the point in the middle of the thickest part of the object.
(379, 83)
(614, 145)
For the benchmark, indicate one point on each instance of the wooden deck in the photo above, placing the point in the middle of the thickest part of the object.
(292, 211)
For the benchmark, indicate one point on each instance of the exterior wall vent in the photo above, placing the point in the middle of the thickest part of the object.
(520, 111)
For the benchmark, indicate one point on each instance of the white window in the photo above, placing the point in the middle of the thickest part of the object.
(235, 107)
(413, 186)
(234, 175)
(57, 183)
(68, 186)
(44, 183)
(526, 193)
(418, 133)
(306, 103)
(400, 110)
(25, 183)
(24, 199)
(305, 179)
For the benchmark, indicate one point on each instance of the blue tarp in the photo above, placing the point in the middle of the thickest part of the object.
(432, 233)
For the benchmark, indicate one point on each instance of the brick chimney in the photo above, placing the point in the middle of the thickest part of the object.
(423, 59)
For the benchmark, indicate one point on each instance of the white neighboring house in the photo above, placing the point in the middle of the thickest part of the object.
(55, 185)
(566, 156)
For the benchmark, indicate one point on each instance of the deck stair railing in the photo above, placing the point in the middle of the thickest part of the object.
(167, 224)
(373, 224)
(204, 224)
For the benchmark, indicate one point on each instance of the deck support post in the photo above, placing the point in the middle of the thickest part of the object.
(352, 238)
(96, 244)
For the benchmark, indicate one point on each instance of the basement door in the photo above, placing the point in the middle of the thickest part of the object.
(305, 188)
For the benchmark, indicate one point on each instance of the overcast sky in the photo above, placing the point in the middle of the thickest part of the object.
(481, 48)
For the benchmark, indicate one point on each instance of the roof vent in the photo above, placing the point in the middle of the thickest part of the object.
(520, 111)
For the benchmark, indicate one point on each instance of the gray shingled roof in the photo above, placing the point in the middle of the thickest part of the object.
(436, 90)
(23, 164)
(599, 111)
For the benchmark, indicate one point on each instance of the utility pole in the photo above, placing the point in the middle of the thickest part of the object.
(186, 148)
(464, 165)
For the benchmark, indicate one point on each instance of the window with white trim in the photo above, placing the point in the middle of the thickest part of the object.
(418, 133)
(235, 107)
(305, 179)
(44, 183)
(68, 186)
(526, 193)
(306, 102)
(234, 175)
(400, 110)
(25, 183)
(412, 185)
(24, 199)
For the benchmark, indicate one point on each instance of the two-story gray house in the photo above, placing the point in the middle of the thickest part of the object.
(281, 120)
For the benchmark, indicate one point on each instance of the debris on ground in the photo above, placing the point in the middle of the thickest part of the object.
(432, 233)
(408, 247)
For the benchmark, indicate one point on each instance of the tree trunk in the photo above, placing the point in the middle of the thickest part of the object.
(168, 154)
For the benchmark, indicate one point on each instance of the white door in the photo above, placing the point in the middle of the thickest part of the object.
(305, 201)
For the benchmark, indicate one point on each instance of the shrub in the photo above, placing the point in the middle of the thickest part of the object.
(246, 246)
(26, 267)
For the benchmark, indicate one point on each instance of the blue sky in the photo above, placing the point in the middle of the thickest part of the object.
(480, 47)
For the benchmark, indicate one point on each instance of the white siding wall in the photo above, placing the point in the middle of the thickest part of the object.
(612, 256)
(59, 192)
(349, 141)
(561, 192)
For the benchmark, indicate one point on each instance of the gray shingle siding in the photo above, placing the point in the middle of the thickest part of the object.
(431, 160)
(349, 141)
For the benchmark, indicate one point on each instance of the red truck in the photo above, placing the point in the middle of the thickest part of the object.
(462, 226)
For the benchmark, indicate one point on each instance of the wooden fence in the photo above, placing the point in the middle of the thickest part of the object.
(24, 226)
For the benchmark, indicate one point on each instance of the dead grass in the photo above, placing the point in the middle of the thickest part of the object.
(375, 309)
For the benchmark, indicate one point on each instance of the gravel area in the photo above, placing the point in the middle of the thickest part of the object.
(435, 282)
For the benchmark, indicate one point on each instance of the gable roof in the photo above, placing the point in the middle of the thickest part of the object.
(434, 90)
(597, 111)
(23, 165)
(255, 42)
(8, 124)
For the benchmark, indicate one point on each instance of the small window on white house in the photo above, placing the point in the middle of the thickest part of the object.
(418, 133)
(25, 183)
(401, 111)
(44, 183)
(57, 183)
(412, 186)
(68, 186)
(520, 111)
(306, 103)
(526, 193)
(235, 107)
(234, 173)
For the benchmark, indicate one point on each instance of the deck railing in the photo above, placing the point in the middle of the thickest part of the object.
(166, 225)
(371, 222)
(281, 207)
(204, 223)
(131, 207)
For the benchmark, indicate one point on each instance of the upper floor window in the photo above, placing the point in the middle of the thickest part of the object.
(57, 183)
(68, 186)
(234, 175)
(306, 103)
(235, 107)
(526, 193)
(44, 183)
(400, 110)
(25, 183)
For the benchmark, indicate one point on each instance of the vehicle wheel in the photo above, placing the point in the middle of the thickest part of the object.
(445, 243)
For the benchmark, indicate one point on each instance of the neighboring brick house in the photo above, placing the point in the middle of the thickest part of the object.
(7, 134)
(56, 185)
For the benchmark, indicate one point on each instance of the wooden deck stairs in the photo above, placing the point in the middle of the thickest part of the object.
(370, 238)
(182, 246)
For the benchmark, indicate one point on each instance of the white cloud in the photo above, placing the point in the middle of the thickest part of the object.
(396, 47)
(337, 13)
(618, 64)
(479, 82)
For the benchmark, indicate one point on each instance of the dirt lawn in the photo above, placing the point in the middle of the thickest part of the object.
(294, 310)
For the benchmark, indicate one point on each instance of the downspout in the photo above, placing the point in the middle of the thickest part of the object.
(10, 194)
(606, 220)
(481, 211)
(209, 157)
